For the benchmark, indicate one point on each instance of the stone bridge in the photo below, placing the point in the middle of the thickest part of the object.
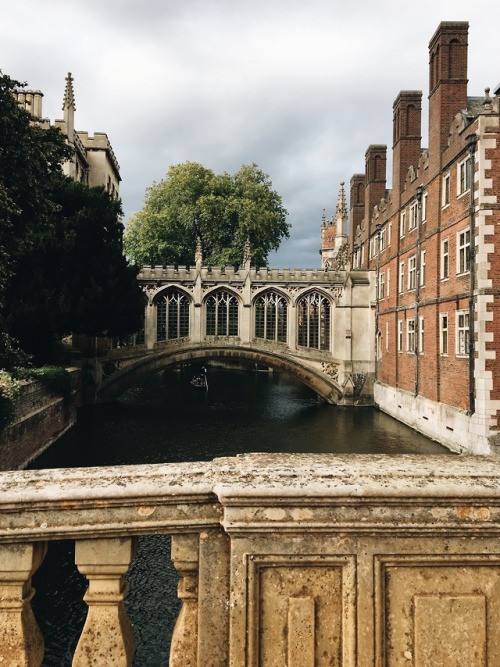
(318, 326)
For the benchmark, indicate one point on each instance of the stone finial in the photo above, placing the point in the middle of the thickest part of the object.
(341, 209)
(198, 255)
(488, 102)
(69, 95)
(323, 218)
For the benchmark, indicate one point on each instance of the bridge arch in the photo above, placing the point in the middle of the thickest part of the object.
(322, 384)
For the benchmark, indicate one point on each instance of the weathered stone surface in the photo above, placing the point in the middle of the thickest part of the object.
(107, 637)
(307, 560)
(21, 642)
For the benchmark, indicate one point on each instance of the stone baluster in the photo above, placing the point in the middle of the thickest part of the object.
(185, 557)
(107, 637)
(21, 642)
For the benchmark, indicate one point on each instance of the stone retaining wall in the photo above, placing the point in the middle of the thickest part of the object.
(41, 417)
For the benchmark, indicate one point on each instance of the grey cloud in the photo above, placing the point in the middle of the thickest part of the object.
(299, 88)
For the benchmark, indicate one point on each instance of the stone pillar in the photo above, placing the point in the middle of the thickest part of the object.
(213, 599)
(21, 642)
(107, 637)
(150, 325)
(185, 557)
(292, 325)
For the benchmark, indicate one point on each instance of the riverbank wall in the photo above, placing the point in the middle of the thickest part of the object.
(41, 417)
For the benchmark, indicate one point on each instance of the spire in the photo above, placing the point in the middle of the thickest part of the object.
(69, 108)
(341, 219)
(341, 202)
(69, 95)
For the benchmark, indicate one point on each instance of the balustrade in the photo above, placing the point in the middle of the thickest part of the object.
(282, 559)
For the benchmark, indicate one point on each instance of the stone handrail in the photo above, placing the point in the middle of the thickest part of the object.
(297, 560)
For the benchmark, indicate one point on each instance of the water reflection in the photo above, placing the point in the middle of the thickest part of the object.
(166, 420)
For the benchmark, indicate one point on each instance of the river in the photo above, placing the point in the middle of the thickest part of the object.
(166, 420)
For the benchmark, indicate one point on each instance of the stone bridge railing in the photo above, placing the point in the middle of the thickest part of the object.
(296, 560)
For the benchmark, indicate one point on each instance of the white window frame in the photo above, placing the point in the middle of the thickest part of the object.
(382, 240)
(424, 207)
(446, 190)
(463, 251)
(402, 224)
(389, 234)
(381, 285)
(412, 273)
(423, 254)
(401, 282)
(410, 335)
(463, 333)
(413, 221)
(463, 176)
(444, 334)
(400, 335)
(421, 334)
(388, 281)
(445, 258)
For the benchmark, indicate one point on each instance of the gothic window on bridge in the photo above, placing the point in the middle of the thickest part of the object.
(271, 317)
(314, 321)
(222, 314)
(172, 316)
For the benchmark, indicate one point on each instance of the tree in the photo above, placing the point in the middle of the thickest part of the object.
(30, 157)
(222, 211)
(76, 278)
(62, 269)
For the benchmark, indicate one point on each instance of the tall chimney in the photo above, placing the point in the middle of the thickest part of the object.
(447, 84)
(407, 126)
(375, 178)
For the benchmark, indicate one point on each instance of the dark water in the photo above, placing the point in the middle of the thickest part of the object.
(165, 420)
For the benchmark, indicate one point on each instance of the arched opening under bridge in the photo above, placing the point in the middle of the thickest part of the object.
(131, 375)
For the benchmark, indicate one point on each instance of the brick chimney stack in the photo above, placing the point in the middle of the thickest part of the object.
(447, 84)
(407, 136)
(375, 178)
(357, 206)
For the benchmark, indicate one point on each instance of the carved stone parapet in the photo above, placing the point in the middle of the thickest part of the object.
(21, 642)
(107, 637)
(284, 559)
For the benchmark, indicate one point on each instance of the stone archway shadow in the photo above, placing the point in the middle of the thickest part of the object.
(151, 363)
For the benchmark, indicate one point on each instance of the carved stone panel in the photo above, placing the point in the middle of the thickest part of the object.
(440, 611)
(301, 611)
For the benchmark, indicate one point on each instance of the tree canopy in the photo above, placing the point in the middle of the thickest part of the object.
(30, 158)
(75, 279)
(62, 269)
(222, 211)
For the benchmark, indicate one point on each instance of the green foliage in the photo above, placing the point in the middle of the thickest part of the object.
(62, 269)
(223, 211)
(11, 355)
(9, 391)
(74, 278)
(30, 157)
(55, 378)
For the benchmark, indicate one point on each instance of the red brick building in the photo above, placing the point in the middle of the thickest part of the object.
(433, 242)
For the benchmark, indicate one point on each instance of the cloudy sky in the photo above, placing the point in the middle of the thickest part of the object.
(300, 87)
